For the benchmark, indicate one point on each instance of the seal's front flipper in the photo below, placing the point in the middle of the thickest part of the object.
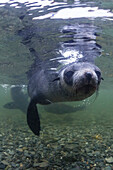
(33, 119)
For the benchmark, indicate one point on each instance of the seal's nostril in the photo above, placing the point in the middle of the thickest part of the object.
(88, 75)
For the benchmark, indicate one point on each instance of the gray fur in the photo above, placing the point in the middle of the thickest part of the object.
(51, 87)
(60, 78)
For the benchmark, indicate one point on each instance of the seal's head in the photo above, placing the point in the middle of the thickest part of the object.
(79, 80)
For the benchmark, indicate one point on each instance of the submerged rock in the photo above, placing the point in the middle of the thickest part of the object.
(109, 160)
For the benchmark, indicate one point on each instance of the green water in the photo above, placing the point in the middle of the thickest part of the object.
(98, 111)
(67, 129)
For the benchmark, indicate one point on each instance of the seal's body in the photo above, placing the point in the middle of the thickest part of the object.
(72, 83)
(75, 79)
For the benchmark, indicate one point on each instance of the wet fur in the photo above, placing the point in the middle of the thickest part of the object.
(51, 87)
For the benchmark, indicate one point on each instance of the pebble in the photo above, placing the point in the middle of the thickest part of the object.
(41, 165)
(11, 152)
(5, 162)
(109, 160)
(2, 166)
(90, 154)
(107, 168)
(96, 153)
(112, 146)
(1, 149)
(87, 150)
(13, 164)
(57, 149)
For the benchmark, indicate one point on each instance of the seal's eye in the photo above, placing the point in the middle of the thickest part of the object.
(98, 73)
(68, 77)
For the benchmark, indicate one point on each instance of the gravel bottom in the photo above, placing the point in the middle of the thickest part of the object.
(60, 146)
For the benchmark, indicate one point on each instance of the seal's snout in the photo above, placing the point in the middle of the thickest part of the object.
(88, 76)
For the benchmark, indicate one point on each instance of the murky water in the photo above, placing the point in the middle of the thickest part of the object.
(76, 135)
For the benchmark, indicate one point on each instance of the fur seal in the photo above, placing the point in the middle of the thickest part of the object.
(74, 82)
(67, 72)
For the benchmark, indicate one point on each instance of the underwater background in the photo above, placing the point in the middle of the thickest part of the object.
(74, 135)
